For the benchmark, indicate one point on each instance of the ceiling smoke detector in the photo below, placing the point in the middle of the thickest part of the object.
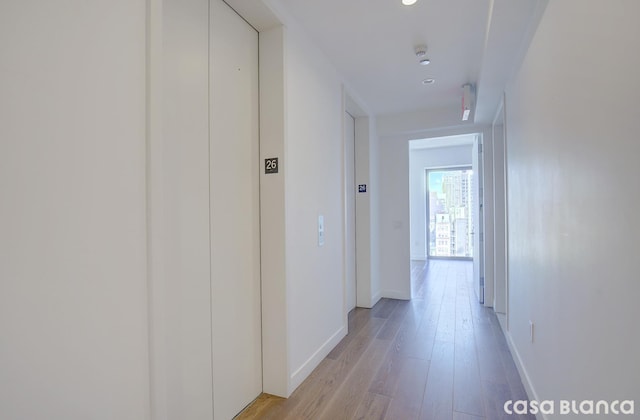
(421, 54)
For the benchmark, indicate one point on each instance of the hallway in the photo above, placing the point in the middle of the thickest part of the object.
(440, 356)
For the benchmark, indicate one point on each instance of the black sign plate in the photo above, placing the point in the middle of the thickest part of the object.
(271, 166)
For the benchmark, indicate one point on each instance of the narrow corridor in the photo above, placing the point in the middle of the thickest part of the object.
(439, 356)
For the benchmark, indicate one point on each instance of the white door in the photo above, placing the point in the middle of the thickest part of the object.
(350, 196)
(234, 222)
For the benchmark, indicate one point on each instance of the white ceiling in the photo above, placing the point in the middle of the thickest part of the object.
(371, 44)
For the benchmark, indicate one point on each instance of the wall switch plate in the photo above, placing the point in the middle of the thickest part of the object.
(320, 230)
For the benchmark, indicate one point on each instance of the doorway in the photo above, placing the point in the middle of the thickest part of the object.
(457, 152)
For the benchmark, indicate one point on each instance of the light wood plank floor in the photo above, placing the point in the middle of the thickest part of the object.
(439, 356)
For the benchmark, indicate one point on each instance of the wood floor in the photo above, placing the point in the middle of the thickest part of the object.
(439, 356)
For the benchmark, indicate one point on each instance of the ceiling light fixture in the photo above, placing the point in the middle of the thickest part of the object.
(408, 2)
(428, 81)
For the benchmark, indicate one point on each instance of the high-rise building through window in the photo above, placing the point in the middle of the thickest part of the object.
(450, 213)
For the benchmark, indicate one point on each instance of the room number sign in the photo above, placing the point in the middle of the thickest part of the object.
(271, 166)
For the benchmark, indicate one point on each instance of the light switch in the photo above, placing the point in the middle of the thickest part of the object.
(320, 230)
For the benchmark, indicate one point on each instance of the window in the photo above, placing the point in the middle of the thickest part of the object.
(450, 211)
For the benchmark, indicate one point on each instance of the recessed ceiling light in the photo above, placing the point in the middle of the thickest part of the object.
(424, 61)
(428, 81)
(408, 2)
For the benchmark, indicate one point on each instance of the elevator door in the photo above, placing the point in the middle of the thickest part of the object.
(234, 217)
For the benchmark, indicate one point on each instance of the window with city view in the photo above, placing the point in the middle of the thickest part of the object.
(450, 202)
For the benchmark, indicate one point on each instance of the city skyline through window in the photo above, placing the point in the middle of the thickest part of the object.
(450, 212)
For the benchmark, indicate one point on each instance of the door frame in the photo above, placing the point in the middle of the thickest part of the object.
(350, 208)
(500, 202)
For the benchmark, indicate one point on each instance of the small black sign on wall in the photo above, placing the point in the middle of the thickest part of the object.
(271, 166)
(362, 188)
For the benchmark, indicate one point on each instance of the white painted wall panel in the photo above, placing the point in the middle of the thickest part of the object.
(499, 238)
(178, 201)
(314, 186)
(395, 273)
(374, 211)
(275, 349)
(478, 228)
(350, 209)
(573, 203)
(73, 287)
(487, 215)
(365, 290)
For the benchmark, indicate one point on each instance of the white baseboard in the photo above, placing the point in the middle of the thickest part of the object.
(312, 362)
(395, 294)
(371, 303)
(376, 298)
(526, 380)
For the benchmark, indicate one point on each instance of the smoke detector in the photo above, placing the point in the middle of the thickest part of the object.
(421, 54)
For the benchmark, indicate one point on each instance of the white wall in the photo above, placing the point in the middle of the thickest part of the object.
(313, 186)
(73, 288)
(178, 180)
(419, 160)
(574, 201)
(363, 213)
(375, 200)
(350, 192)
(301, 122)
(499, 218)
(395, 273)
(367, 246)
(415, 125)
(275, 319)
(488, 219)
